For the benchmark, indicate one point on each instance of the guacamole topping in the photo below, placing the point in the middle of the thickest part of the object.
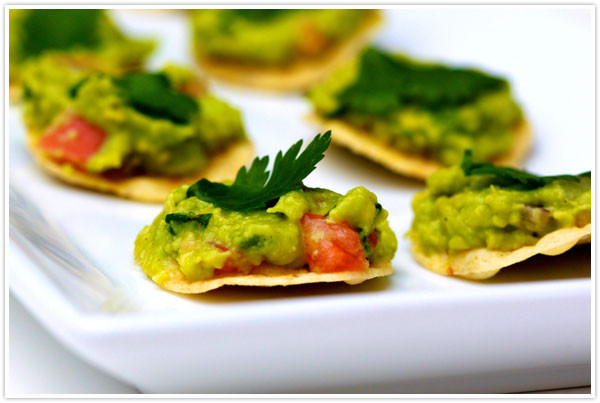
(84, 37)
(478, 205)
(271, 37)
(203, 240)
(147, 122)
(429, 109)
(266, 218)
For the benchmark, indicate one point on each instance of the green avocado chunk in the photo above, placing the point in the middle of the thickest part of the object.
(461, 210)
(182, 234)
(428, 109)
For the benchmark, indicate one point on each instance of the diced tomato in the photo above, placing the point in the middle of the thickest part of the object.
(193, 88)
(74, 141)
(234, 263)
(312, 40)
(373, 238)
(331, 247)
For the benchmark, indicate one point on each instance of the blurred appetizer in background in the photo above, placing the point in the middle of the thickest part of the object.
(137, 135)
(86, 39)
(267, 229)
(415, 118)
(476, 218)
(283, 50)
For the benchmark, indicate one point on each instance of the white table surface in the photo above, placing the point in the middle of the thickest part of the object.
(35, 357)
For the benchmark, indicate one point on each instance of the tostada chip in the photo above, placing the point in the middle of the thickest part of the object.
(414, 118)
(475, 218)
(266, 229)
(83, 38)
(137, 135)
(282, 50)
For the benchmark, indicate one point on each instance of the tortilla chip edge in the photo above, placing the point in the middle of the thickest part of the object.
(148, 188)
(481, 263)
(411, 165)
(271, 276)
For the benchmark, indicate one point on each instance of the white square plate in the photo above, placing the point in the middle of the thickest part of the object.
(71, 264)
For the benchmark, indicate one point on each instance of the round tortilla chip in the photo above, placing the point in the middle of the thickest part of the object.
(299, 75)
(222, 166)
(405, 163)
(270, 276)
(482, 263)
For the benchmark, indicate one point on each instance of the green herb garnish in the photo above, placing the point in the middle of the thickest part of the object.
(257, 188)
(201, 219)
(46, 29)
(255, 241)
(385, 83)
(153, 94)
(510, 177)
(257, 15)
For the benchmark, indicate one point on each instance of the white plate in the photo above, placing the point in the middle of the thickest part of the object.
(528, 328)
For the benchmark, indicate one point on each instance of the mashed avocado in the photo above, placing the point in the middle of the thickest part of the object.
(271, 37)
(428, 109)
(458, 212)
(87, 38)
(150, 124)
(197, 238)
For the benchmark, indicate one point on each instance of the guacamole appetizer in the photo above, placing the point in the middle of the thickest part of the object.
(85, 38)
(138, 135)
(266, 229)
(476, 218)
(284, 50)
(414, 118)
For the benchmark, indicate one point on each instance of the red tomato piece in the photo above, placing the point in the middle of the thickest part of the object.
(234, 263)
(373, 239)
(331, 247)
(74, 141)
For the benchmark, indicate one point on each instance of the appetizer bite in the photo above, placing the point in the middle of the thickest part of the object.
(85, 38)
(476, 218)
(284, 50)
(137, 135)
(266, 229)
(414, 118)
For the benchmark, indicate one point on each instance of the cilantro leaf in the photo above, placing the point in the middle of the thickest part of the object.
(257, 188)
(153, 94)
(385, 83)
(47, 29)
(201, 219)
(510, 177)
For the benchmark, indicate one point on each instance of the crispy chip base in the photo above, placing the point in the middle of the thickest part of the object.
(298, 76)
(222, 166)
(270, 276)
(481, 263)
(405, 163)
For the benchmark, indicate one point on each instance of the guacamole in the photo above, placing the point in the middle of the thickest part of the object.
(503, 210)
(83, 37)
(271, 37)
(202, 240)
(148, 123)
(427, 109)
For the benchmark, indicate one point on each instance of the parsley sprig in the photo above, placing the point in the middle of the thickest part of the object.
(154, 95)
(257, 188)
(510, 177)
(385, 83)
